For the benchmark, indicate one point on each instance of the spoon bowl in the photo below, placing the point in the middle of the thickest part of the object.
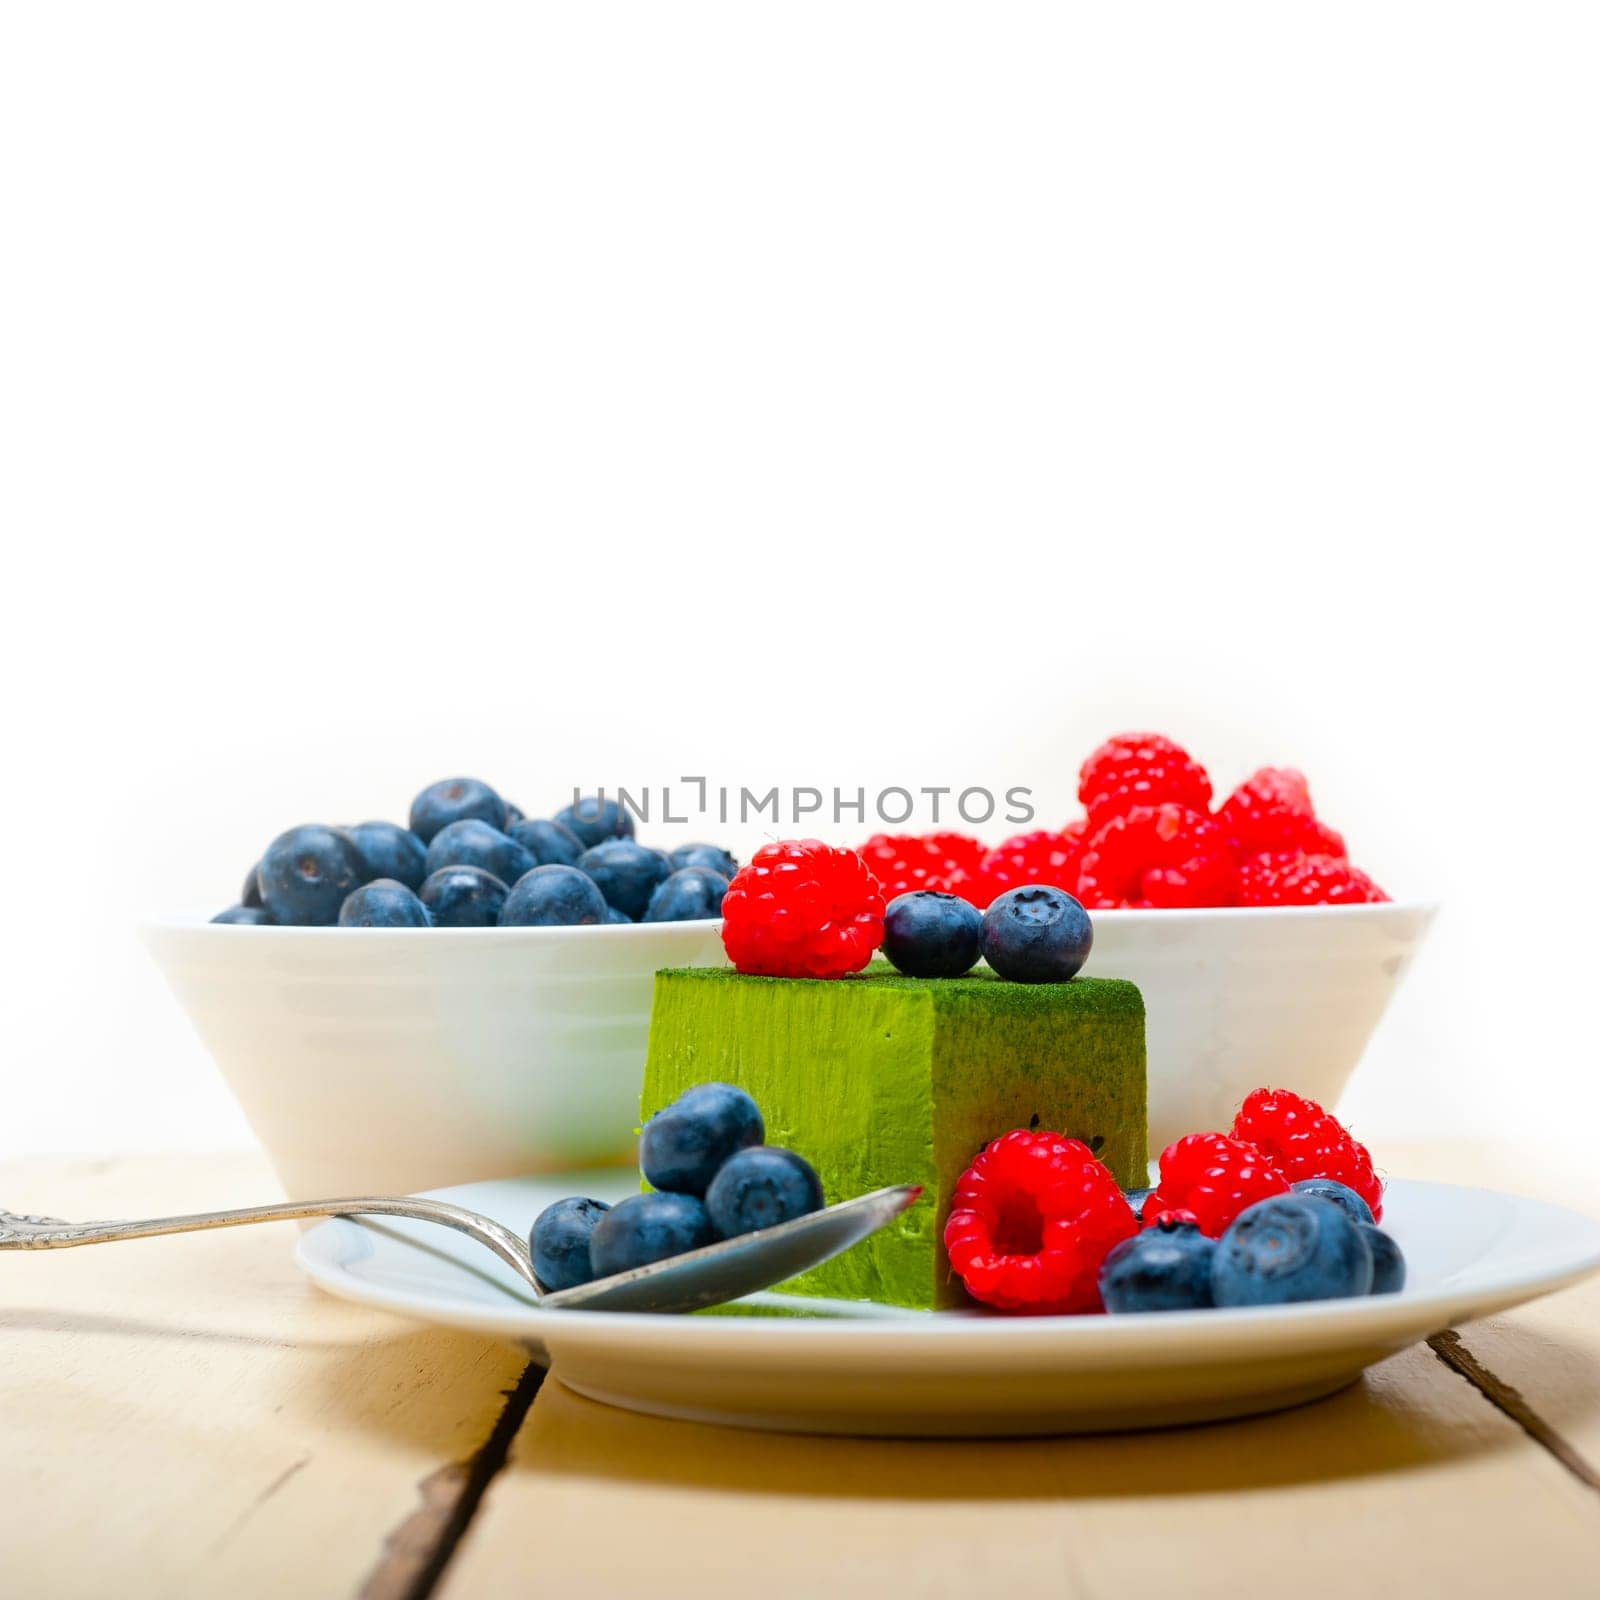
(746, 1264)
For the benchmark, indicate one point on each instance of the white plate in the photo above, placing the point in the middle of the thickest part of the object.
(846, 1367)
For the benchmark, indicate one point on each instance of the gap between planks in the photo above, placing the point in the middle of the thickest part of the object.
(1447, 1346)
(416, 1553)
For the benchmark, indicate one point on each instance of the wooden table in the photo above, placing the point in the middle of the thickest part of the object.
(188, 1417)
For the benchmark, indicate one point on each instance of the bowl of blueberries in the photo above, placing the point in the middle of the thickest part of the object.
(461, 997)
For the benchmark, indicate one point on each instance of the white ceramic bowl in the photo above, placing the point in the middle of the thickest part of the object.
(1242, 997)
(374, 1061)
(383, 1061)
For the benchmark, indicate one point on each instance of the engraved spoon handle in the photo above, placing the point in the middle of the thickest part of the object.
(50, 1233)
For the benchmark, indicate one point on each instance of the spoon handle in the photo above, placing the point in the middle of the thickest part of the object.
(50, 1233)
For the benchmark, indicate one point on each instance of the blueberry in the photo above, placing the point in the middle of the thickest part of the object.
(250, 895)
(470, 843)
(705, 855)
(1136, 1198)
(1388, 1265)
(307, 872)
(514, 815)
(929, 935)
(1292, 1247)
(627, 873)
(594, 819)
(245, 916)
(390, 851)
(560, 1242)
(689, 895)
(761, 1187)
(1347, 1200)
(464, 897)
(383, 903)
(548, 842)
(613, 915)
(552, 897)
(1165, 1268)
(451, 800)
(683, 1145)
(1036, 934)
(645, 1228)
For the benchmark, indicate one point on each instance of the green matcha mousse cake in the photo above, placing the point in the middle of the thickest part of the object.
(880, 1079)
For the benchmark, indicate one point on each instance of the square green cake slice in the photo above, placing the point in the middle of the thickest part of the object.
(881, 1079)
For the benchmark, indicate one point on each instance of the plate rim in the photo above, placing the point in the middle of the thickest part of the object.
(1290, 1328)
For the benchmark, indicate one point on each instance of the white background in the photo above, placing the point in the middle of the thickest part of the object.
(828, 394)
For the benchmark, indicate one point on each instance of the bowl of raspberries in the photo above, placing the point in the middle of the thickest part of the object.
(400, 1005)
(1262, 950)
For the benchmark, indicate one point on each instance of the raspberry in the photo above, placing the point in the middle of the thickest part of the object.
(1292, 878)
(903, 862)
(1304, 1141)
(961, 848)
(1033, 1218)
(1157, 856)
(1141, 769)
(802, 909)
(1213, 1178)
(1039, 857)
(1271, 810)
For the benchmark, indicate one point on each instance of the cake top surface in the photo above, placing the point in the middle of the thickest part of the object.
(1107, 995)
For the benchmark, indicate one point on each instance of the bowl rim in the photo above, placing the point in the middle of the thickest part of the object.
(193, 921)
(1178, 914)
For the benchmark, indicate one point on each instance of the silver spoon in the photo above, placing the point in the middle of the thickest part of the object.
(706, 1277)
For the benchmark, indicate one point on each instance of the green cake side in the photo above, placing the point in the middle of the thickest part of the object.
(881, 1079)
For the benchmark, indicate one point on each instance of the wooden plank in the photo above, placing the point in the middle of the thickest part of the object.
(1411, 1483)
(1408, 1484)
(189, 1417)
(1541, 1363)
